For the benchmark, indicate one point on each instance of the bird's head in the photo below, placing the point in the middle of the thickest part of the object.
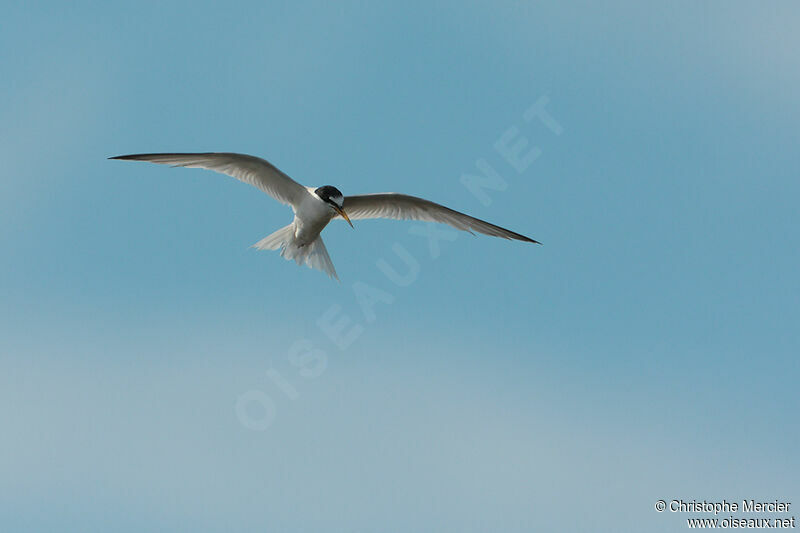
(334, 198)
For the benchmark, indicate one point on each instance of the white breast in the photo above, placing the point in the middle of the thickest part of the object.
(310, 218)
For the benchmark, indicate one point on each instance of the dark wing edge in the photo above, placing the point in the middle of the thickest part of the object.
(404, 207)
(246, 168)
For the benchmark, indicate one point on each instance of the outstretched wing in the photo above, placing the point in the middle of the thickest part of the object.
(401, 206)
(246, 168)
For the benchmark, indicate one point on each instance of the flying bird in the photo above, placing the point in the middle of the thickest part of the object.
(315, 207)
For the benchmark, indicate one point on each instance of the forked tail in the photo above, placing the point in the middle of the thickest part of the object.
(313, 255)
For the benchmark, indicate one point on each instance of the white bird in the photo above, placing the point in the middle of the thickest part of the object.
(314, 207)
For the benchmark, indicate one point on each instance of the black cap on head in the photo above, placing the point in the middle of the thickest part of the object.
(330, 194)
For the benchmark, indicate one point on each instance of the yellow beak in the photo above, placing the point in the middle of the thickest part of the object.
(344, 216)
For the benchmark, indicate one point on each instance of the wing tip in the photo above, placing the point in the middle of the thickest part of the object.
(130, 157)
(523, 238)
(152, 156)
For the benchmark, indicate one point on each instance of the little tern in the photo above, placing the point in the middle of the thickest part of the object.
(315, 207)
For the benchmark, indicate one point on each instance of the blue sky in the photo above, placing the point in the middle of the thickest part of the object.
(647, 351)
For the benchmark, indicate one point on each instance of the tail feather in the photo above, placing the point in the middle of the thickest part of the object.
(318, 258)
(279, 239)
(313, 255)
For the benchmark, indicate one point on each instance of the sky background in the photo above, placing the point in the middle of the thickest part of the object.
(648, 350)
